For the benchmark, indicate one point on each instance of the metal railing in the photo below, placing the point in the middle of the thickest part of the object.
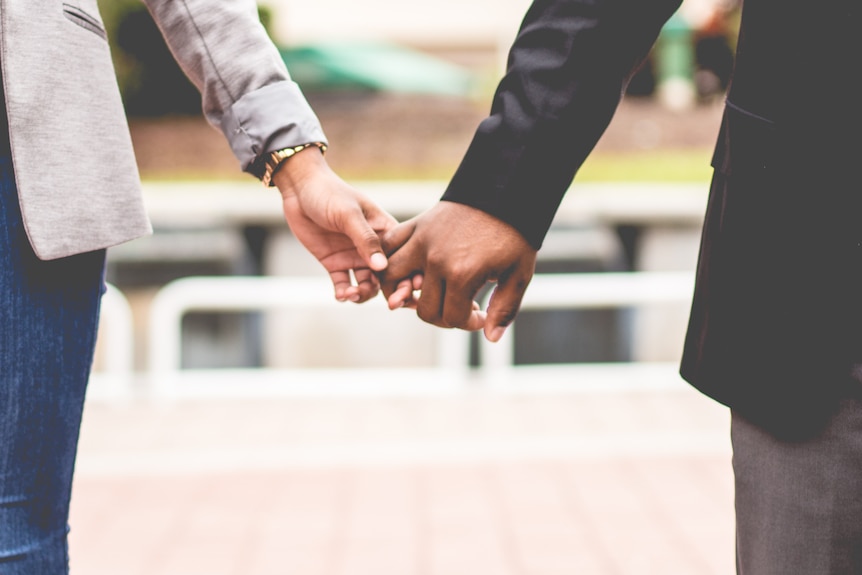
(115, 373)
(250, 294)
(584, 291)
(164, 371)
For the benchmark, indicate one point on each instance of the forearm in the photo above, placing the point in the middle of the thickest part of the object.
(246, 89)
(567, 71)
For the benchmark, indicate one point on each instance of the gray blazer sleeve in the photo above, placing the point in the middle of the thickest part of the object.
(246, 89)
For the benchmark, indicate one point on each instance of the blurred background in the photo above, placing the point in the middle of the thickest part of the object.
(240, 421)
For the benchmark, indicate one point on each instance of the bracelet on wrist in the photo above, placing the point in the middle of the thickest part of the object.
(276, 159)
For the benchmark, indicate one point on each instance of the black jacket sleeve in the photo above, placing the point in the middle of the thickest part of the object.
(566, 74)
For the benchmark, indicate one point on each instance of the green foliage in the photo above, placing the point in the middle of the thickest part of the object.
(266, 16)
(112, 12)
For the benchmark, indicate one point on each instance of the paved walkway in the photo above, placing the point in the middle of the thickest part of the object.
(586, 483)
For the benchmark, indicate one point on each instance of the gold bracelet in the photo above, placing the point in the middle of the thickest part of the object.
(275, 159)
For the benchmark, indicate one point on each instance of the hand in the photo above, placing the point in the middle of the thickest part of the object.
(339, 225)
(450, 252)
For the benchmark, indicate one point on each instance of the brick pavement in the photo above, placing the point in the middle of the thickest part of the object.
(588, 483)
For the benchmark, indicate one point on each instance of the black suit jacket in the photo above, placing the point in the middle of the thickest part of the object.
(776, 318)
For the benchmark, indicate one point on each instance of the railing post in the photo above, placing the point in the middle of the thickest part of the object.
(117, 344)
(584, 291)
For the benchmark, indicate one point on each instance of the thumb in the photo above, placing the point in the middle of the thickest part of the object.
(505, 303)
(365, 240)
(394, 239)
(406, 260)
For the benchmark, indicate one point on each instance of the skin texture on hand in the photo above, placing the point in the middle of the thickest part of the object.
(336, 223)
(450, 252)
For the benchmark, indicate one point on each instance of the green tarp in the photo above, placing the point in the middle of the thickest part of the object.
(374, 66)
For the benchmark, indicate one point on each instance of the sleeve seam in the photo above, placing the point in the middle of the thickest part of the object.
(208, 53)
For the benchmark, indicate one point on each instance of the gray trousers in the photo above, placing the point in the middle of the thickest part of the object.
(799, 504)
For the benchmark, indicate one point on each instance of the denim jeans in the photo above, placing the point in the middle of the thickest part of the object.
(48, 321)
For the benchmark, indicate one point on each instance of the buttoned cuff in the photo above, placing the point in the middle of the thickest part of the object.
(271, 118)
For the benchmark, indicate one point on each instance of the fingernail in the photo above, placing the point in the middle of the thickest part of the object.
(378, 261)
(497, 333)
(355, 297)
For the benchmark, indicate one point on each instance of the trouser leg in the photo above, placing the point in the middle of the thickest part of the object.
(799, 504)
(48, 320)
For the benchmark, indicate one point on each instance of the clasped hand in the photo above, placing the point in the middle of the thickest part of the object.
(438, 261)
(448, 254)
(336, 223)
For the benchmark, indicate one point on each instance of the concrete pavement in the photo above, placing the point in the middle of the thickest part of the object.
(588, 482)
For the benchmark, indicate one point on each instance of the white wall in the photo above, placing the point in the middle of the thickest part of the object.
(439, 22)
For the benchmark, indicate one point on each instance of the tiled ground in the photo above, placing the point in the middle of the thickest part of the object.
(587, 483)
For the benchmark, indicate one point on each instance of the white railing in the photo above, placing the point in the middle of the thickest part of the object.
(164, 371)
(114, 374)
(250, 294)
(589, 290)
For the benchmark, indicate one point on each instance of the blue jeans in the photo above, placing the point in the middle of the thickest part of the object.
(48, 321)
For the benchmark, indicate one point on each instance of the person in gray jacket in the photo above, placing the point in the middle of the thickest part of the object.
(69, 189)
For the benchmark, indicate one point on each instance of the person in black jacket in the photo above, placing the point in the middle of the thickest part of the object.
(775, 331)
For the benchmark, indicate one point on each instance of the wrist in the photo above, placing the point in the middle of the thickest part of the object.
(291, 176)
(275, 162)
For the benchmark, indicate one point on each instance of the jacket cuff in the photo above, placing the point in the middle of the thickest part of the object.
(271, 118)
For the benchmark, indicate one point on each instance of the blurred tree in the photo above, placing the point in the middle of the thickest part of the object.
(156, 85)
(112, 12)
(151, 82)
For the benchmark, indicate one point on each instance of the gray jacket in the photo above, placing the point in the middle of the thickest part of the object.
(74, 164)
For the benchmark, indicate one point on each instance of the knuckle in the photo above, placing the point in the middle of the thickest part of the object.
(429, 317)
(462, 271)
(369, 236)
(437, 261)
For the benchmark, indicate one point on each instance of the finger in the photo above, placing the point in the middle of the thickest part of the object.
(405, 263)
(413, 301)
(342, 284)
(366, 284)
(506, 301)
(459, 305)
(365, 239)
(381, 220)
(429, 308)
(402, 294)
(365, 275)
(477, 319)
(395, 238)
(462, 284)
